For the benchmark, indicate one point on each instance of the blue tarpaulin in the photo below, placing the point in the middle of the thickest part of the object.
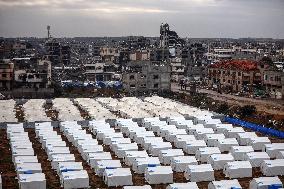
(255, 127)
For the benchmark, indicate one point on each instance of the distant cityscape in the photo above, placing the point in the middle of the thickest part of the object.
(46, 67)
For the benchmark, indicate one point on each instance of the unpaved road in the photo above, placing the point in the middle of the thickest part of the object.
(269, 106)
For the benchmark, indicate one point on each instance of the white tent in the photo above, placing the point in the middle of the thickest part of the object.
(265, 182)
(192, 128)
(140, 164)
(202, 154)
(221, 128)
(155, 148)
(258, 142)
(256, 158)
(219, 160)
(74, 179)
(66, 166)
(180, 141)
(138, 187)
(238, 169)
(130, 156)
(151, 140)
(94, 157)
(201, 133)
(280, 155)
(225, 184)
(26, 159)
(239, 151)
(243, 138)
(272, 167)
(118, 177)
(233, 132)
(199, 173)
(23, 168)
(193, 146)
(170, 135)
(180, 163)
(272, 149)
(159, 175)
(211, 139)
(106, 164)
(56, 158)
(32, 181)
(189, 185)
(225, 144)
(166, 155)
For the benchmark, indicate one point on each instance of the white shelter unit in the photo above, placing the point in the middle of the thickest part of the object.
(118, 177)
(221, 128)
(202, 154)
(26, 159)
(56, 158)
(106, 164)
(130, 156)
(137, 187)
(199, 173)
(225, 184)
(74, 179)
(273, 149)
(32, 181)
(166, 155)
(180, 163)
(280, 155)
(193, 146)
(28, 168)
(256, 158)
(265, 183)
(211, 139)
(233, 132)
(272, 167)
(155, 148)
(225, 144)
(94, 157)
(243, 138)
(238, 169)
(239, 152)
(180, 141)
(69, 166)
(189, 185)
(159, 175)
(201, 133)
(140, 164)
(258, 142)
(219, 160)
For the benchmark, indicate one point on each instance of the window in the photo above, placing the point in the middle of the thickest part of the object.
(224, 80)
(265, 77)
(4, 75)
(132, 86)
(239, 82)
(239, 73)
(155, 76)
(229, 81)
(143, 85)
(156, 85)
(131, 77)
(143, 76)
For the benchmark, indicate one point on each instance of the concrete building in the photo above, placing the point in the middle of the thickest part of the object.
(110, 54)
(273, 82)
(143, 76)
(32, 73)
(177, 69)
(6, 75)
(139, 55)
(100, 71)
(235, 75)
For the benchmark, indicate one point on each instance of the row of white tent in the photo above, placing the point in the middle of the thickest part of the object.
(34, 110)
(66, 110)
(71, 173)
(95, 109)
(29, 171)
(7, 111)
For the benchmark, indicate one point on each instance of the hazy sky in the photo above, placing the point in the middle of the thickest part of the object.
(189, 18)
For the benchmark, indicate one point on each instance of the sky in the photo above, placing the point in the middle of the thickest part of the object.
(98, 18)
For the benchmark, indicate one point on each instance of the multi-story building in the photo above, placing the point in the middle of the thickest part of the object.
(32, 73)
(274, 83)
(235, 75)
(6, 75)
(100, 71)
(177, 69)
(110, 54)
(53, 51)
(169, 38)
(142, 76)
(139, 55)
